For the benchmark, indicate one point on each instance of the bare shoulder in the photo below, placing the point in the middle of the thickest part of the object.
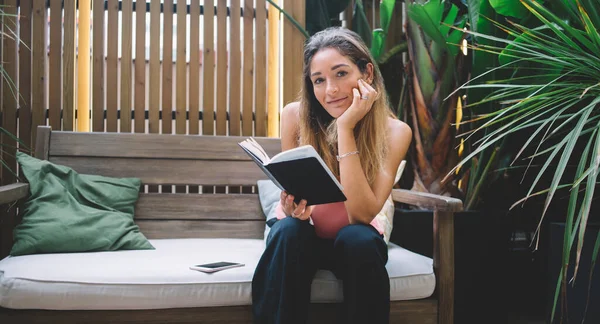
(290, 117)
(291, 111)
(399, 132)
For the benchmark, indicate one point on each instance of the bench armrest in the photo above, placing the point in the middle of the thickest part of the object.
(427, 200)
(443, 243)
(13, 192)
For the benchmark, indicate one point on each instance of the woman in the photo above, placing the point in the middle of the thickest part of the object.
(344, 114)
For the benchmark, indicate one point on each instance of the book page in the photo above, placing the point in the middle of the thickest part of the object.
(256, 149)
(295, 154)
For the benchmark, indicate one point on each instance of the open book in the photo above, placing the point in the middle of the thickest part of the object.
(299, 171)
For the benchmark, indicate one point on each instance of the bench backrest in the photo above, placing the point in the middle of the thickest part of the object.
(161, 159)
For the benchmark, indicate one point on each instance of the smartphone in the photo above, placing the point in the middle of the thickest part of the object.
(216, 266)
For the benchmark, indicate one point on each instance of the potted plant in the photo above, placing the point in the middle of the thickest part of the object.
(549, 107)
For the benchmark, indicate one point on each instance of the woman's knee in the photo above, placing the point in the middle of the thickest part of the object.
(360, 242)
(290, 229)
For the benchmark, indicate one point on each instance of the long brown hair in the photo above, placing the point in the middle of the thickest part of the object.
(318, 128)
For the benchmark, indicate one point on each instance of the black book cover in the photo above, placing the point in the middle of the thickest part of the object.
(306, 179)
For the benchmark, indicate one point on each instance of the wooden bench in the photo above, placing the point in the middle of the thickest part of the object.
(210, 161)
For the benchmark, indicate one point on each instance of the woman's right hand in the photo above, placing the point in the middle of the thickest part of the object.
(300, 211)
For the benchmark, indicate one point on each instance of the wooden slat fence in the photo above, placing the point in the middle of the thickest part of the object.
(209, 78)
(150, 72)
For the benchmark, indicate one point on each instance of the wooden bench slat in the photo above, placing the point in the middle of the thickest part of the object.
(427, 200)
(169, 229)
(422, 311)
(173, 172)
(199, 207)
(155, 146)
(12, 192)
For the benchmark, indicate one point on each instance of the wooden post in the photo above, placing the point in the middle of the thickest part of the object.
(293, 44)
(83, 68)
(273, 76)
(443, 262)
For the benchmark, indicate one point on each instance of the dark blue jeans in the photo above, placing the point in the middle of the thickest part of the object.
(282, 279)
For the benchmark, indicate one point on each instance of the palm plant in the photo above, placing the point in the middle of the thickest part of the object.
(553, 93)
(434, 71)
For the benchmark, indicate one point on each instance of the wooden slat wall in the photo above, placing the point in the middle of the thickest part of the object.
(235, 75)
(194, 75)
(154, 102)
(235, 66)
(68, 51)
(181, 78)
(208, 75)
(208, 70)
(25, 74)
(112, 66)
(126, 56)
(154, 77)
(55, 64)
(260, 62)
(39, 83)
(167, 62)
(167, 75)
(140, 66)
(247, 76)
(221, 67)
(194, 93)
(98, 87)
(227, 91)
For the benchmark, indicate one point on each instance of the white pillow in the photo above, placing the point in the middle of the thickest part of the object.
(269, 195)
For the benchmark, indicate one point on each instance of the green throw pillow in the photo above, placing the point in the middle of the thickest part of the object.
(71, 212)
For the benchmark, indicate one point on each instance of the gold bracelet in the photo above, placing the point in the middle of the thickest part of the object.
(339, 157)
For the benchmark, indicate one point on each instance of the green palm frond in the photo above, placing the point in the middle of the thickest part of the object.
(553, 92)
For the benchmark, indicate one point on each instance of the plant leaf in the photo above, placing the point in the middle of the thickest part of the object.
(541, 13)
(475, 6)
(386, 9)
(428, 17)
(589, 26)
(587, 200)
(510, 8)
(360, 24)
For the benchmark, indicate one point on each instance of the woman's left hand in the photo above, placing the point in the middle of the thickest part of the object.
(364, 97)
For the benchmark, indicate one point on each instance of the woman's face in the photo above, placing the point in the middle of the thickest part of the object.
(333, 77)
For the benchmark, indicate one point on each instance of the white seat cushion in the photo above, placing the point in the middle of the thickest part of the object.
(161, 278)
